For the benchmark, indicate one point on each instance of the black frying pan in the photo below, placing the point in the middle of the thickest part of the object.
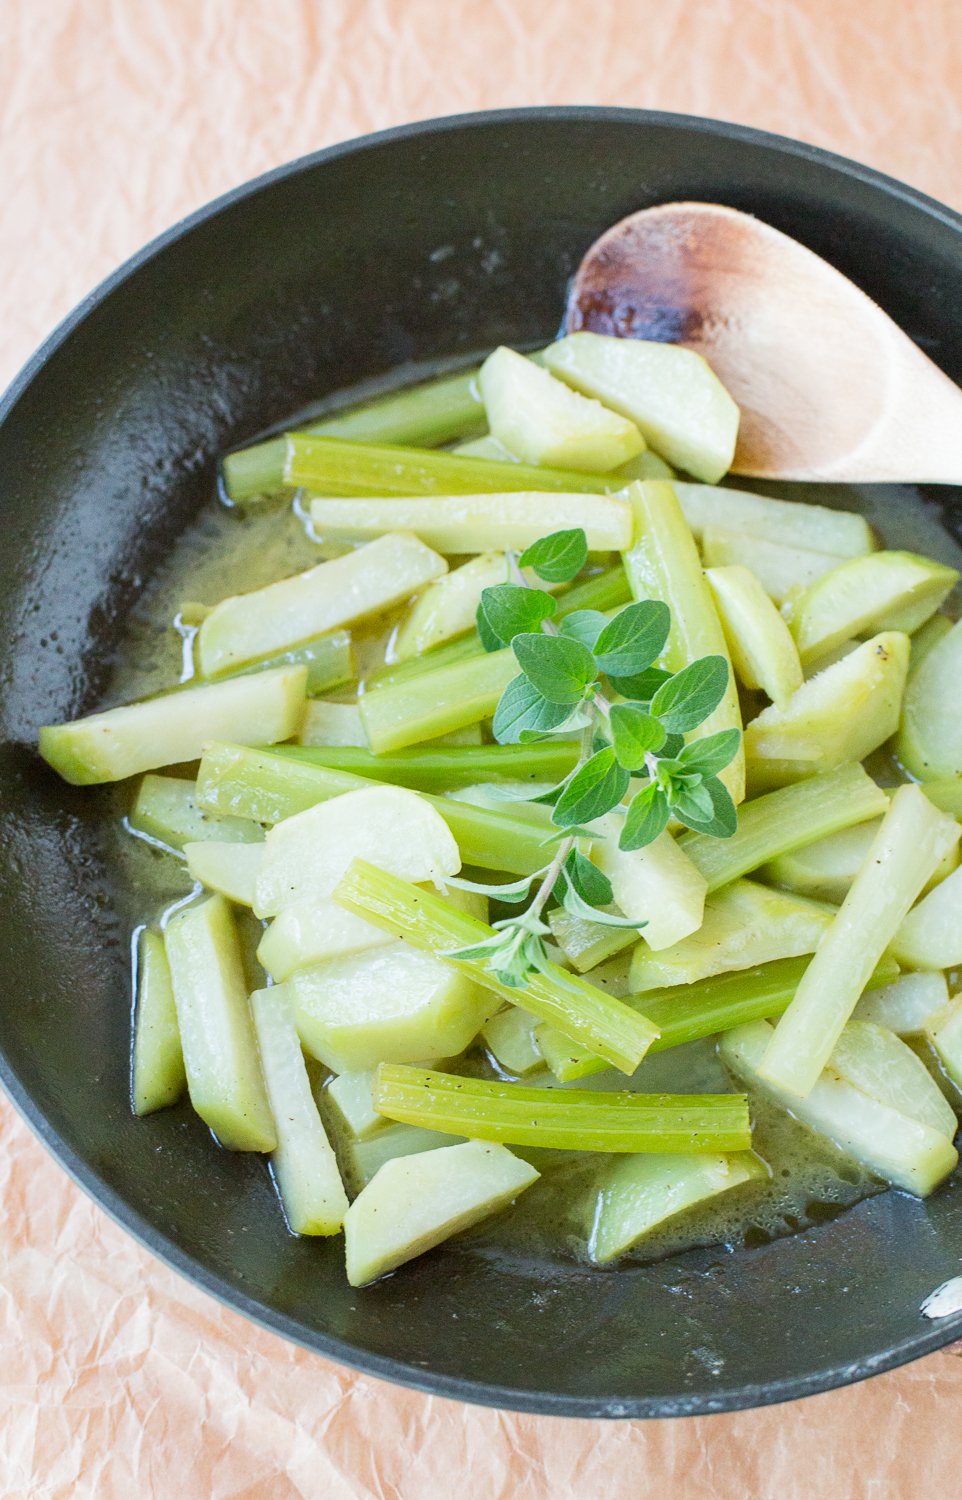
(315, 276)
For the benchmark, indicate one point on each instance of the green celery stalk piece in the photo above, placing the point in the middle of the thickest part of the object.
(476, 523)
(909, 845)
(436, 702)
(685, 1013)
(441, 768)
(664, 564)
(267, 787)
(637, 1193)
(908, 1154)
(174, 728)
(435, 412)
(158, 1058)
(329, 659)
(784, 820)
(575, 1120)
(584, 943)
(224, 1075)
(303, 1164)
(166, 809)
(329, 466)
(611, 1029)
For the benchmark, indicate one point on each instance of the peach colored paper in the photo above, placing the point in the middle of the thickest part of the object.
(116, 1377)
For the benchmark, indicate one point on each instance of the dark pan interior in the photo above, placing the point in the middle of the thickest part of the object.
(431, 241)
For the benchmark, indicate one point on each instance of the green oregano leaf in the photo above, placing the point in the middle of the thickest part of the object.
(522, 710)
(722, 822)
(584, 625)
(560, 669)
(591, 883)
(641, 687)
(578, 907)
(516, 891)
(559, 557)
(593, 790)
(692, 694)
(647, 818)
(507, 609)
(691, 799)
(634, 638)
(635, 734)
(712, 753)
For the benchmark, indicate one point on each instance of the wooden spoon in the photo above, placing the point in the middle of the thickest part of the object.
(829, 387)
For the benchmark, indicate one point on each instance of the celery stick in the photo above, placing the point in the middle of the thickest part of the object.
(217, 1034)
(394, 1004)
(585, 1014)
(166, 809)
(572, 1119)
(510, 1038)
(246, 627)
(930, 937)
(416, 1202)
(762, 650)
(687, 1013)
(158, 1058)
(329, 660)
(883, 591)
(664, 564)
(906, 1005)
(476, 523)
(231, 869)
(637, 1193)
(781, 569)
(913, 838)
(909, 1155)
(331, 467)
(268, 788)
(175, 727)
(364, 1159)
(444, 767)
(745, 924)
(683, 410)
(930, 737)
(303, 1163)
(350, 1094)
(586, 944)
(434, 412)
(785, 820)
(839, 715)
(434, 703)
(789, 524)
(873, 1059)
(543, 421)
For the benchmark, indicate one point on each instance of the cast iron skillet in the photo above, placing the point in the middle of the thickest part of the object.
(434, 240)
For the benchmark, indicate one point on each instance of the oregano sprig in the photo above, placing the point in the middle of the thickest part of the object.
(569, 676)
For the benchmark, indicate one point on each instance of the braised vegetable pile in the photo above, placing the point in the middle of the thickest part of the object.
(554, 761)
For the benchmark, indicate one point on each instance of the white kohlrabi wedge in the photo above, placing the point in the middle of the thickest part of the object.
(415, 1202)
(395, 829)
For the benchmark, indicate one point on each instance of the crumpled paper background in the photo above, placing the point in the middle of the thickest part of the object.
(117, 117)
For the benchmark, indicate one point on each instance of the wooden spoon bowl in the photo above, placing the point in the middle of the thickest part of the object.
(829, 387)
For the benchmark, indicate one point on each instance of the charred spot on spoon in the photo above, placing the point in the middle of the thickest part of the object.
(648, 277)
